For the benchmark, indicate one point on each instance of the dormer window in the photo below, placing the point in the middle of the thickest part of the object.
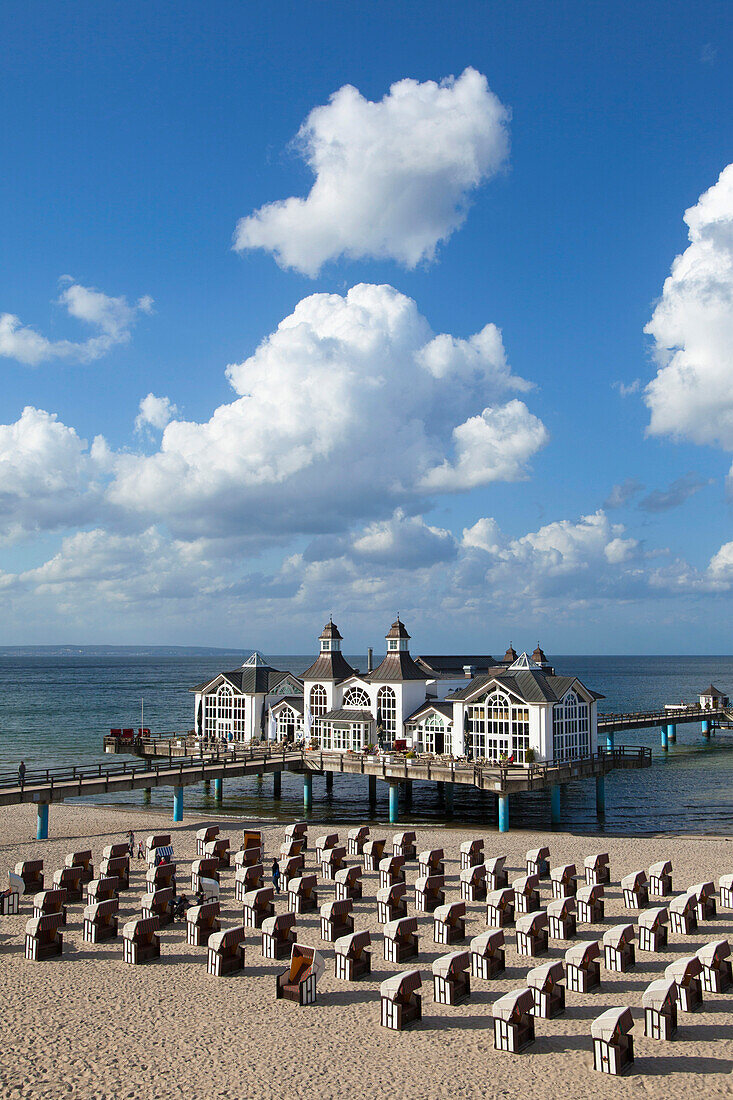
(392, 643)
(325, 645)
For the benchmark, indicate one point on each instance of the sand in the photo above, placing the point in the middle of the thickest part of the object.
(88, 1026)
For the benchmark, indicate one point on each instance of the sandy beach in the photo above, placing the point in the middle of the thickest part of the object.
(88, 1026)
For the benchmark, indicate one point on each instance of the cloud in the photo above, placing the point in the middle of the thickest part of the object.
(662, 500)
(625, 389)
(392, 179)
(406, 542)
(622, 493)
(155, 412)
(692, 326)
(113, 317)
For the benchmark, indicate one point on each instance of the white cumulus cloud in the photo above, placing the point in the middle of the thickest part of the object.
(392, 179)
(155, 412)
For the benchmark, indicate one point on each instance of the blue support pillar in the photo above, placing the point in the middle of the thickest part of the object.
(555, 811)
(307, 790)
(178, 803)
(218, 789)
(394, 798)
(706, 730)
(601, 795)
(449, 798)
(372, 789)
(147, 795)
(329, 781)
(277, 785)
(42, 821)
(609, 742)
(503, 813)
(672, 733)
(664, 738)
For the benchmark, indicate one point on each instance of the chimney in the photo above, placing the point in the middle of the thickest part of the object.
(370, 659)
(468, 672)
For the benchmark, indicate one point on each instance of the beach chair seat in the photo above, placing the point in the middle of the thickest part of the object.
(210, 889)
(400, 1004)
(564, 879)
(532, 933)
(292, 868)
(323, 843)
(597, 869)
(473, 882)
(116, 867)
(583, 967)
(497, 876)
(248, 857)
(618, 948)
(163, 877)
(336, 919)
(391, 869)
(635, 890)
(83, 859)
(43, 937)
(100, 921)
(613, 1044)
(716, 968)
(247, 879)
(102, 889)
(547, 989)
(114, 851)
(218, 848)
(500, 908)
(431, 862)
(392, 902)
(298, 830)
(30, 871)
(538, 862)
(202, 867)
(513, 1020)
(70, 880)
(50, 901)
(302, 895)
(159, 904)
(526, 894)
(404, 844)
(352, 960)
(288, 850)
(488, 956)
(257, 905)
(687, 972)
(334, 859)
(10, 898)
(452, 978)
(348, 883)
(449, 922)
(278, 936)
(203, 836)
(373, 852)
(590, 906)
(561, 920)
(683, 915)
(201, 922)
(429, 892)
(400, 939)
(225, 952)
(659, 1001)
(652, 924)
(153, 843)
(252, 838)
(299, 982)
(356, 840)
(140, 941)
(472, 853)
(660, 879)
(725, 885)
(704, 895)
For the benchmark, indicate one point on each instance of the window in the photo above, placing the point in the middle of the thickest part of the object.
(497, 728)
(392, 645)
(570, 728)
(224, 714)
(358, 699)
(319, 700)
(433, 736)
(387, 711)
(287, 724)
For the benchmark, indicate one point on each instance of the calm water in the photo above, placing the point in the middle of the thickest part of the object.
(55, 711)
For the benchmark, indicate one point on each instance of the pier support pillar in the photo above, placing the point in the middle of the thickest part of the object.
(394, 798)
(329, 781)
(664, 738)
(503, 813)
(601, 795)
(218, 789)
(178, 803)
(147, 795)
(706, 730)
(277, 780)
(307, 790)
(555, 811)
(449, 798)
(372, 789)
(609, 742)
(440, 787)
(42, 821)
(672, 733)
(408, 792)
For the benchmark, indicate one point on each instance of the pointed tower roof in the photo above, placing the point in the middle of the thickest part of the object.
(330, 664)
(330, 630)
(397, 666)
(511, 654)
(256, 661)
(539, 656)
(398, 630)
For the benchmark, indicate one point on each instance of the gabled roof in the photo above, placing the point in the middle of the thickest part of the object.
(328, 666)
(445, 709)
(295, 702)
(255, 679)
(530, 685)
(451, 667)
(396, 667)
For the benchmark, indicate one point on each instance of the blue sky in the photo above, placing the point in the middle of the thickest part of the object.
(136, 137)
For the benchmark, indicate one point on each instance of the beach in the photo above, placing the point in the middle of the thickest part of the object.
(86, 1025)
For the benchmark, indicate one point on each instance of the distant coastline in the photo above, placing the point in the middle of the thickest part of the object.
(117, 651)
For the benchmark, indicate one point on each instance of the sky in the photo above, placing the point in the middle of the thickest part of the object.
(355, 309)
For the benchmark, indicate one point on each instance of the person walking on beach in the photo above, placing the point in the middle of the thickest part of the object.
(276, 875)
(131, 843)
(21, 773)
(140, 852)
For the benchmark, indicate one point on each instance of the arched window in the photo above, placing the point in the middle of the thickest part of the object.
(387, 711)
(224, 714)
(319, 700)
(358, 699)
(497, 728)
(286, 724)
(570, 728)
(224, 696)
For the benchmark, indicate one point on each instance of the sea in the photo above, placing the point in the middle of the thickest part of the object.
(55, 710)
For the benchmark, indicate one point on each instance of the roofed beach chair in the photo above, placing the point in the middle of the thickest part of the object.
(400, 939)
(513, 1020)
(299, 982)
(357, 839)
(81, 859)
(686, 972)
(102, 889)
(431, 862)
(660, 879)
(50, 901)
(155, 841)
(473, 883)
(392, 902)
(225, 954)
(449, 922)
(404, 844)
(472, 853)
(532, 934)
(683, 914)
(373, 851)
(218, 848)
(583, 967)
(203, 836)
(400, 1003)
(257, 905)
(716, 969)
(652, 925)
(292, 868)
(597, 869)
(613, 1044)
(113, 851)
(429, 892)
(201, 922)
(351, 958)
(497, 877)
(618, 948)
(298, 830)
(636, 890)
(159, 904)
(288, 848)
(561, 920)
(163, 877)
(43, 937)
(590, 904)
(391, 869)
(116, 867)
(70, 880)
(500, 908)
(704, 895)
(348, 883)
(548, 991)
(488, 957)
(452, 978)
(302, 895)
(564, 880)
(526, 894)
(323, 843)
(248, 857)
(201, 868)
(538, 862)
(252, 838)
(336, 919)
(100, 921)
(278, 936)
(333, 861)
(140, 941)
(31, 873)
(725, 884)
(247, 879)
(10, 898)
(659, 1001)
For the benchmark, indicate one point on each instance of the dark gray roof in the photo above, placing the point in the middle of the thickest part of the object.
(398, 630)
(396, 667)
(532, 686)
(442, 707)
(349, 715)
(452, 665)
(712, 690)
(294, 701)
(252, 680)
(330, 630)
(328, 666)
